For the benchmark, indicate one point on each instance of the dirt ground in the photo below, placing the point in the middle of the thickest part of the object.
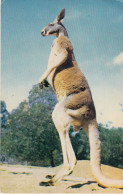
(26, 179)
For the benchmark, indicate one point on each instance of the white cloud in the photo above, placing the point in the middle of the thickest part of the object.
(118, 60)
(107, 101)
(13, 96)
(109, 97)
(121, 1)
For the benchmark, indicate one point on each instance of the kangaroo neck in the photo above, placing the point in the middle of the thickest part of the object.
(62, 33)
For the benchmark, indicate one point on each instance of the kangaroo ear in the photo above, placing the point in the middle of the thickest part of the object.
(60, 15)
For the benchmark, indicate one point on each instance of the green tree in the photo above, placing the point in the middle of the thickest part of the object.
(4, 114)
(80, 145)
(112, 146)
(31, 136)
(30, 133)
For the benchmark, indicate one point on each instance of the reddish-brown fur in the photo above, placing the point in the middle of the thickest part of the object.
(68, 80)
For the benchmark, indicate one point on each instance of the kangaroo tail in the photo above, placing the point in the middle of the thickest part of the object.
(95, 150)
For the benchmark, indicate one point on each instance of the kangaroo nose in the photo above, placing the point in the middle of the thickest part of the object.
(42, 32)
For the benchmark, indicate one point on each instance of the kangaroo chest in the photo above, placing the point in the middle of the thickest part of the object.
(67, 78)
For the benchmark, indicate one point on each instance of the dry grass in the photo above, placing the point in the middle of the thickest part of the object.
(26, 179)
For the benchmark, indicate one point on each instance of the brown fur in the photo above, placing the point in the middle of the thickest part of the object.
(68, 80)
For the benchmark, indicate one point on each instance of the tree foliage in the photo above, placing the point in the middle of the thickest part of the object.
(30, 133)
(112, 146)
(4, 114)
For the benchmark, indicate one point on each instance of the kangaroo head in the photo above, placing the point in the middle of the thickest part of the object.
(56, 27)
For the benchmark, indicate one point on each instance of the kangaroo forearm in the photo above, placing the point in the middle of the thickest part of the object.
(62, 58)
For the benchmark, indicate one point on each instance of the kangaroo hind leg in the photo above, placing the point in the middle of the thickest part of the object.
(62, 123)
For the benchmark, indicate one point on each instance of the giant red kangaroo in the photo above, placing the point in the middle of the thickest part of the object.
(75, 105)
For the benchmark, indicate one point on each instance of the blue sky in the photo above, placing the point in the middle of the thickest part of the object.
(95, 29)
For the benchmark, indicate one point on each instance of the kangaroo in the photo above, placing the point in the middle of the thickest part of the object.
(75, 105)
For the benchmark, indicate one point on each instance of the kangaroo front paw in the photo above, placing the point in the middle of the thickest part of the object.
(41, 85)
(44, 84)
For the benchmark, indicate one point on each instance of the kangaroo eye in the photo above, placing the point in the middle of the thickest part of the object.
(51, 24)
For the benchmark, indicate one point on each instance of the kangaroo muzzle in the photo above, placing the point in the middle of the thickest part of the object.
(43, 33)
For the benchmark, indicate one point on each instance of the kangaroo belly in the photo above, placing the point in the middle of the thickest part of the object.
(67, 79)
